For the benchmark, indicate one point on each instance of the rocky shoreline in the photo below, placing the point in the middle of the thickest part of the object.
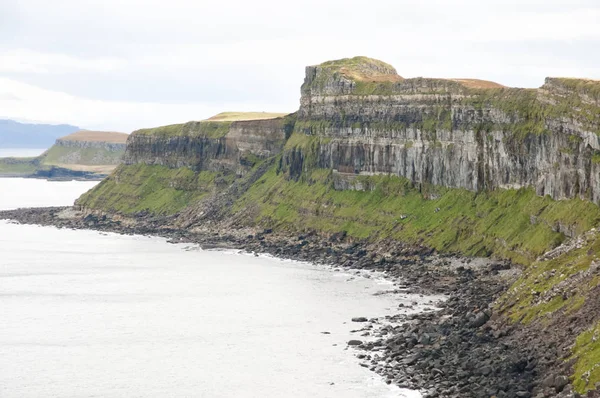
(462, 350)
(58, 174)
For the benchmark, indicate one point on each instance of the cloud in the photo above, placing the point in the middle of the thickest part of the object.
(57, 107)
(26, 61)
(175, 61)
(9, 97)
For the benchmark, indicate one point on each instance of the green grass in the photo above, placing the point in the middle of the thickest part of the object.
(18, 165)
(207, 129)
(157, 189)
(497, 222)
(356, 64)
(521, 302)
(588, 87)
(587, 352)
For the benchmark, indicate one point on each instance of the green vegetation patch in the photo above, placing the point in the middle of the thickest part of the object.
(156, 189)
(207, 129)
(531, 108)
(587, 87)
(449, 220)
(18, 165)
(358, 65)
(587, 367)
(536, 293)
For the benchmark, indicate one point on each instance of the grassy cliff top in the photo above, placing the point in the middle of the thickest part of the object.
(242, 116)
(97, 136)
(368, 69)
(588, 87)
(214, 127)
(576, 80)
(204, 128)
(363, 68)
(374, 77)
(477, 83)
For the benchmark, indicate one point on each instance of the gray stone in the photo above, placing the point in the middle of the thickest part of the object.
(355, 342)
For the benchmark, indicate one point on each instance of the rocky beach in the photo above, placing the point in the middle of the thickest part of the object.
(460, 349)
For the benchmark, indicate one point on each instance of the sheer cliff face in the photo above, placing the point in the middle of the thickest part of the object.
(362, 118)
(208, 146)
(81, 152)
(454, 133)
(109, 146)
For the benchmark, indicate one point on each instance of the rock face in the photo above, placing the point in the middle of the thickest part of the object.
(212, 146)
(88, 152)
(87, 148)
(453, 133)
(359, 117)
(109, 146)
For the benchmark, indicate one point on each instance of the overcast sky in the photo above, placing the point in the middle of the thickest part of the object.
(127, 64)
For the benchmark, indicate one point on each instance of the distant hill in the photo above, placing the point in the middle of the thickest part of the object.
(24, 135)
(81, 155)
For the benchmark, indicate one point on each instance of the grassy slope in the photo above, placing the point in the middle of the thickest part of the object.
(208, 129)
(213, 127)
(15, 166)
(560, 286)
(587, 352)
(158, 189)
(498, 222)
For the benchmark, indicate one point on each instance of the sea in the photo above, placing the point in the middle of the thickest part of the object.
(90, 314)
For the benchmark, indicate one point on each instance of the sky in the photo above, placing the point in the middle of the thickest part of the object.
(126, 64)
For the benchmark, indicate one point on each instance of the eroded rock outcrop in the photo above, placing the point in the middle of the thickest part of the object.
(209, 145)
(459, 133)
(89, 148)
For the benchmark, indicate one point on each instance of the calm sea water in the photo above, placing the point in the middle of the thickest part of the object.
(87, 314)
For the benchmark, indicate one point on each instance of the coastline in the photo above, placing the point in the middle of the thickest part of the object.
(456, 351)
(58, 174)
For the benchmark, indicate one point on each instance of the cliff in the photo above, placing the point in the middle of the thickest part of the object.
(361, 125)
(168, 168)
(456, 133)
(99, 151)
(83, 154)
(456, 165)
(218, 146)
